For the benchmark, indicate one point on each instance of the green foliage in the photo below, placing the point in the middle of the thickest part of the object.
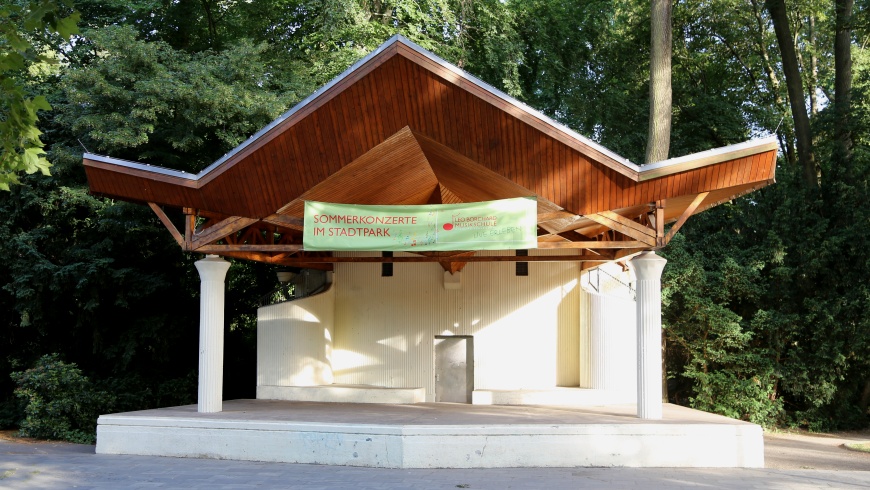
(61, 402)
(765, 303)
(83, 274)
(709, 344)
(149, 102)
(21, 149)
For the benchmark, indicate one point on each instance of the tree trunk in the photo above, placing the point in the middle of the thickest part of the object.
(212, 26)
(814, 69)
(786, 137)
(795, 87)
(665, 394)
(864, 403)
(659, 140)
(843, 78)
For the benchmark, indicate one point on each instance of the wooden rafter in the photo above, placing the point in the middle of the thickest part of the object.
(660, 222)
(683, 217)
(626, 252)
(219, 230)
(551, 238)
(453, 266)
(592, 245)
(189, 226)
(625, 226)
(167, 223)
(556, 215)
(248, 247)
(276, 259)
(285, 221)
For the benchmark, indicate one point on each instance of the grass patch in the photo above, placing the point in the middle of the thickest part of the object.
(864, 447)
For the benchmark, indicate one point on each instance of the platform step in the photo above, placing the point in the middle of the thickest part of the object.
(342, 394)
(552, 397)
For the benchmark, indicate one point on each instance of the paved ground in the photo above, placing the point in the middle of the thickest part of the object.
(817, 451)
(40, 465)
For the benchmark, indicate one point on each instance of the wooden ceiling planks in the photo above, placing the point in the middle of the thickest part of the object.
(394, 172)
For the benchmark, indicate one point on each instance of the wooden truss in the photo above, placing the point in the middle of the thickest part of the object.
(594, 238)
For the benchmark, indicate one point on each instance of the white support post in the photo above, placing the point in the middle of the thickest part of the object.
(648, 269)
(212, 272)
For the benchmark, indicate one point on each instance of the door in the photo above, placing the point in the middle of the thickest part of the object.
(454, 368)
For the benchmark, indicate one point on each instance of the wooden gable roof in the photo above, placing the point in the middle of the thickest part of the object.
(403, 126)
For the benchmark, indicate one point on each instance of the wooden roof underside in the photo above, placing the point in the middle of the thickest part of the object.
(403, 127)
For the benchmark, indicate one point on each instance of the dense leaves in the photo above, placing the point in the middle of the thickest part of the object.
(149, 102)
(26, 32)
(61, 403)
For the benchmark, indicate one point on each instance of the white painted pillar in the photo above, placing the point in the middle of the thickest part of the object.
(648, 269)
(212, 272)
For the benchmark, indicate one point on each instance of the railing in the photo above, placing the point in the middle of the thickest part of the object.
(596, 283)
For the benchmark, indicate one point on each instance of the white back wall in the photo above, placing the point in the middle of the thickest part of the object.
(294, 342)
(610, 333)
(526, 330)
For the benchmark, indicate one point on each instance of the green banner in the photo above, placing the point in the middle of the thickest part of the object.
(491, 225)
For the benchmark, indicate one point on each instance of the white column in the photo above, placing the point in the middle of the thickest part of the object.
(648, 269)
(212, 271)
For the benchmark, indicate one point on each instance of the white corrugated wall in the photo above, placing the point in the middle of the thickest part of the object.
(294, 342)
(608, 326)
(526, 329)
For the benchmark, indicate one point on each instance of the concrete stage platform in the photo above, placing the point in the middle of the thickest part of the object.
(435, 435)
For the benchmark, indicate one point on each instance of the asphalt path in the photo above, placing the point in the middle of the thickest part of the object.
(796, 451)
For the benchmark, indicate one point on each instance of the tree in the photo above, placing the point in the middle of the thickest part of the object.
(78, 267)
(661, 42)
(843, 77)
(24, 32)
(794, 84)
(149, 102)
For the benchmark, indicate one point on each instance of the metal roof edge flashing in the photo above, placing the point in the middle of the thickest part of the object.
(704, 158)
(140, 166)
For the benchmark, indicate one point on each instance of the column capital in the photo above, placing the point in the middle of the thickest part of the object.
(648, 266)
(212, 268)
